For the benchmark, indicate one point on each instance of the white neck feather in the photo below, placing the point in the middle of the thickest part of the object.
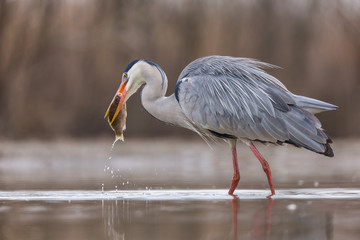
(153, 98)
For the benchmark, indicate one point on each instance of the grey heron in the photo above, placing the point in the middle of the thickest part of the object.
(229, 98)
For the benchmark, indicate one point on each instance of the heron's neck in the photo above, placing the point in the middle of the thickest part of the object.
(166, 109)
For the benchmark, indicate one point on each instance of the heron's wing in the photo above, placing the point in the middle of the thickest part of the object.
(234, 96)
(313, 105)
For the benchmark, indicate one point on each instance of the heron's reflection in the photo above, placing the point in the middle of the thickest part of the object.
(117, 216)
(261, 220)
(215, 219)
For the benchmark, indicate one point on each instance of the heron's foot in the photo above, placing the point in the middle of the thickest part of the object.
(234, 183)
(235, 197)
(270, 196)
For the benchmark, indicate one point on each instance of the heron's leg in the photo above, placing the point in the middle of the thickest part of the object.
(236, 176)
(265, 166)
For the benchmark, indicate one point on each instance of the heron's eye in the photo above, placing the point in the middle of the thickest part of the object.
(125, 76)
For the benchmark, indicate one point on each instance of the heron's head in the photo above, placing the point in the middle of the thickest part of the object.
(134, 76)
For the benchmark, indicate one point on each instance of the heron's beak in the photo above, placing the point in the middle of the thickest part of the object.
(122, 93)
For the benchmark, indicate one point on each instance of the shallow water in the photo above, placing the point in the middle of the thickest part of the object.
(162, 214)
(174, 190)
(170, 195)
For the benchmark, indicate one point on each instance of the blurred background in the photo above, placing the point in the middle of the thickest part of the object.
(61, 61)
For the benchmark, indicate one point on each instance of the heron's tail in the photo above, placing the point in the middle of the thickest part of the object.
(328, 150)
(304, 130)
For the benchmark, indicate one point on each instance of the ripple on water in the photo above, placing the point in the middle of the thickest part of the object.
(200, 194)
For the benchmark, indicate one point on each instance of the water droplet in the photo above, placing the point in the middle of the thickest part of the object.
(291, 207)
(102, 188)
(116, 190)
(316, 184)
(127, 182)
(110, 158)
(301, 182)
(116, 139)
(108, 168)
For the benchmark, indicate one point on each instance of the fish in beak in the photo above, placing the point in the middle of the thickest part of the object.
(117, 113)
(121, 92)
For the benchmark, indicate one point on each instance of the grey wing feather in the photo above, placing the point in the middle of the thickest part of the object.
(313, 105)
(235, 96)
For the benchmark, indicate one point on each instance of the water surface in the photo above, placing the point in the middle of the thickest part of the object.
(174, 190)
